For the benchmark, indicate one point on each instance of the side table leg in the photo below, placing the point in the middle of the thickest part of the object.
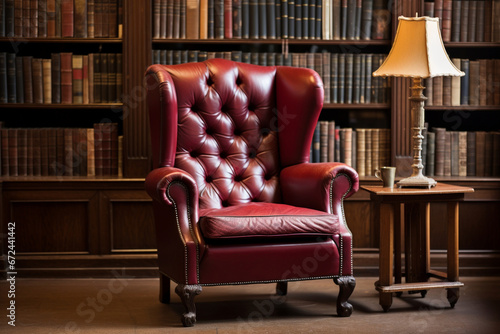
(453, 294)
(386, 250)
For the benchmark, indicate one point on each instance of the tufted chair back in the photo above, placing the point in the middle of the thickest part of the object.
(230, 129)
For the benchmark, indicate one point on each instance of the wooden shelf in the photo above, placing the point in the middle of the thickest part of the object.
(471, 45)
(356, 106)
(60, 105)
(272, 41)
(462, 107)
(60, 40)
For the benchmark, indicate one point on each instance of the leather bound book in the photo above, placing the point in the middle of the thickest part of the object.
(228, 19)
(375, 151)
(326, 74)
(496, 82)
(203, 29)
(277, 15)
(111, 84)
(334, 80)
(456, 20)
(356, 89)
(323, 141)
(77, 83)
(262, 29)
(362, 75)
(474, 82)
(80, 18)
(480, 17)
(42, 18)
(58, 18)
(113, 19)
(446, 20)
(193, 17)
(298, 19)
(440, 151)
(19, 80)
(253, 7)
(182, 21)
(13, 152)
(348, 146)
(98, 163)
(66, 77)
(104, 82)
(219, 19)
(176, 19)
(43, 152)
(483, 84)
(454, 153)
(366, 19)
(447, 154)
(431, 154)
(349, 77)
(8, 18)
(312, 18)
(4, 151)
(341, 78)
(305, 19)
(462, 153)
(98, 18)
(480, 153)
(67, 18)
(316, 144)
(464, 81)
(488, 20)
(291, 19)
(437, 87)
(51, 18)
(28, 79)
(367, 151)
(472, 18)
(447, 91)
(284, 18)
(368, 77)
(351, 19)
(464, 20)
(331, 141)
(343, 19)
(106, 7)
(47, 80)
(490, 82)
(455, 84)
(3, 78)
(471, 153)
(85, 77)
(33, 27)
(237, 19)
(90, 18)
(55, 143)
(68, 152)
(361, 151)
(119, 77)
(429, 91)
(488, 154)
(36, 157)
(56, 77)
(90, 152)
(357, 25)
(22, 152)
(26, 18)
(319, 19)
(11, 84)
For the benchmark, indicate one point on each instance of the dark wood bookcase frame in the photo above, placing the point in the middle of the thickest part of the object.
(81, 227)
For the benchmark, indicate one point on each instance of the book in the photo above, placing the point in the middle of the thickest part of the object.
(480, 153)
(238, 17)
(439, 162)
(455, 84)
(19, 80)
(455, 20)
(474, 82)
(42, 18)
(366, 19)
(193, 17)
(90, 18)
(47, 80)
(3, 78)
(80, 18)
(67, 18)
(66, 77)
(464, 82)
(28, 79)
(471, 153)
(56, 77)
(463, 19)
(11, 78)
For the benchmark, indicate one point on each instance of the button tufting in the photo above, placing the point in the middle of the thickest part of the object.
(210, 82)
(208, 179)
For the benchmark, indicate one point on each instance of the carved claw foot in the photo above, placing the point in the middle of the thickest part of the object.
(187, 294)
(281, 288)
(346, 285)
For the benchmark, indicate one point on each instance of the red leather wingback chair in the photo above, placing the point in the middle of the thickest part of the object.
(235, 198)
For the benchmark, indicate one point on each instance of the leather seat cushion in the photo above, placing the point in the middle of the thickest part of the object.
(266, 220)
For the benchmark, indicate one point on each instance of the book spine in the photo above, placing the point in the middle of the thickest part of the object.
(47, 80)
(193, 17)
(318, 20)
(51, 18)
(28, 79)
(464, 19)
(66, 77)
(80, 18)
(464, 82)
(11, 83)
(271, 19)
(77, 78)
(3, 78)
(67, 20)
(219, 18)
(366, 19)
(19, 80)
(42, 18)
(474, 82)
(471, 153)
(85, 80)
(262, 29)
(56, 77)
(237, 19)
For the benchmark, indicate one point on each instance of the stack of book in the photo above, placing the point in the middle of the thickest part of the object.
(347, 77)
(466, 21)
(363, 149)
(461, 153)
(65, 78)
(61, 18)
(271, 19)
(60, 151)
(480, 86)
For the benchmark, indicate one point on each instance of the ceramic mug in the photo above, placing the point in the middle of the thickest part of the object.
(386, 174)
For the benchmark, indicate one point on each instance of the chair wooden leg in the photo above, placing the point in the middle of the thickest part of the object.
(164, 289)
(187, 294)
(281, 288)
(346, 285)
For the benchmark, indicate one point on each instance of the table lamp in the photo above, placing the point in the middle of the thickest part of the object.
(418, 52)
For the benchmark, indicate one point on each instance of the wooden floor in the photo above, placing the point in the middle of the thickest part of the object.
(121, 305)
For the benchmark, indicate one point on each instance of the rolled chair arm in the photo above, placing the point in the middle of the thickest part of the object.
(159, 180)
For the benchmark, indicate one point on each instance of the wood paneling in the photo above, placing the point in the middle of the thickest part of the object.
(132, 227)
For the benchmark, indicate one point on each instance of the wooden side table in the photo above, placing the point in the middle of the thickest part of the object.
(405, 213)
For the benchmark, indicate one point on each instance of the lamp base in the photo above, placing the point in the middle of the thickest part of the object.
(418, 181)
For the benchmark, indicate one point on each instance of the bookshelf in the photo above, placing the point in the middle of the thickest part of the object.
(109, 218)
